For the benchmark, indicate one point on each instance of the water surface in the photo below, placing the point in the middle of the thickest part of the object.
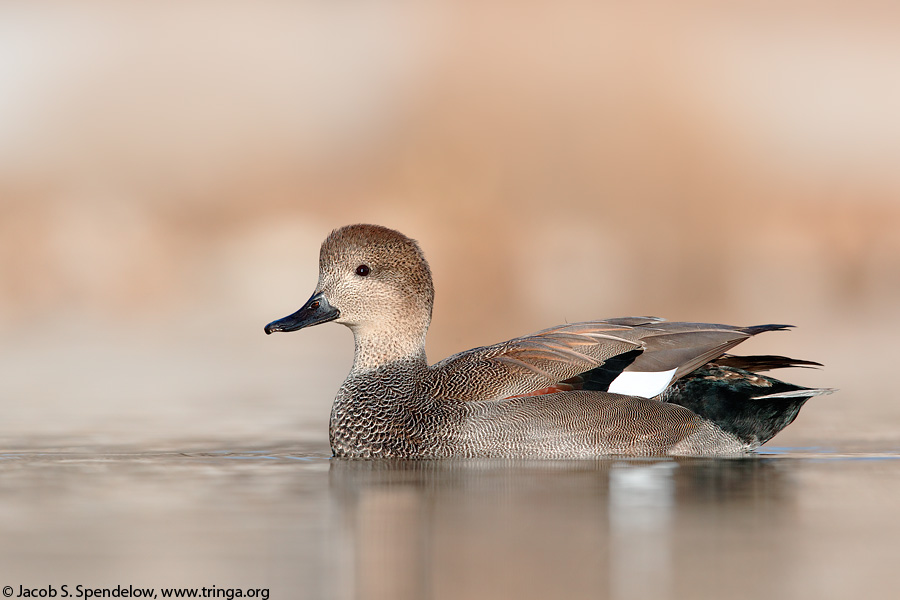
(785, 523)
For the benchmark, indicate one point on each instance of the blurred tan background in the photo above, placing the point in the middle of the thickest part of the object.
(168, 171)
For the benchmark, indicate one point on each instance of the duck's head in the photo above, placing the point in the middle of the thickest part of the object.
(372, 279)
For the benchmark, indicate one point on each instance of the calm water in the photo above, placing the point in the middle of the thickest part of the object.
(787, 523)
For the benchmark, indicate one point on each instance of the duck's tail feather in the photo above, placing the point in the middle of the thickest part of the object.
(755, 329)
(749, 406)
(801, 393)
(765, 362)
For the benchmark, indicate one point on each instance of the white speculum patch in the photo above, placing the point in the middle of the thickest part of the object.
(645, 384)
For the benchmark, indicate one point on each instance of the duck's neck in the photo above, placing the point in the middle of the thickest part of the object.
(377, 347)
(378, 408)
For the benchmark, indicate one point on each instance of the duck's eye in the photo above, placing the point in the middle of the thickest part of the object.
(362, 270)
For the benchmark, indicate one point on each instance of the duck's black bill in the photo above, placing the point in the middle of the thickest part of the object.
(315, 311)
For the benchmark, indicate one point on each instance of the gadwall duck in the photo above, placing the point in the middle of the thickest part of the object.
(626, 386)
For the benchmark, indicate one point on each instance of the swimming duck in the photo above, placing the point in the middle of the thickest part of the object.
(634, 386)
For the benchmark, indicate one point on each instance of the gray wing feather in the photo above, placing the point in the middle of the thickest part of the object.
(684, 350)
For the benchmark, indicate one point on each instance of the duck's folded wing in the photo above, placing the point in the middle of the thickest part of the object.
(524, 365)
(637, 356)
(669, 352)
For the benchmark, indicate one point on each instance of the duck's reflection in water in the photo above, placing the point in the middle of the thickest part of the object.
(600, 529)
(641, 502)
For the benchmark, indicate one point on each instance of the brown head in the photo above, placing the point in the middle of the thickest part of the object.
(376, 281)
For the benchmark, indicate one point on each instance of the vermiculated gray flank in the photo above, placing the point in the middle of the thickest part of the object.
(544, 395)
